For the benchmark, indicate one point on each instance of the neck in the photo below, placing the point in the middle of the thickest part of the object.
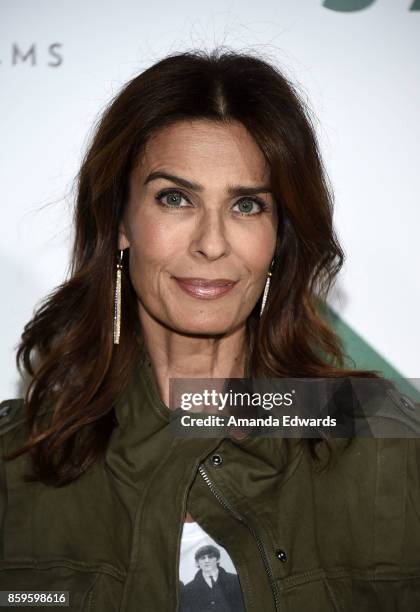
(213, 573)
(174, 355)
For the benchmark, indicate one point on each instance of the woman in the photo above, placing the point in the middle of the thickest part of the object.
(204, 248)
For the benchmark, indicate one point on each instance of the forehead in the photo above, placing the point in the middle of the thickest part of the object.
(205, 149)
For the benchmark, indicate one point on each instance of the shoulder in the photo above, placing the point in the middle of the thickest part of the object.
(13, 423)
(13, 433)
(401, 412)
(383, 458)
(382, 454)
(227, 576)
(376, 407)
(195, 583)
(12, 415)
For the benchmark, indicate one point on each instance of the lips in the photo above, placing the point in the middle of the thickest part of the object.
(205, 288)
(203, 282)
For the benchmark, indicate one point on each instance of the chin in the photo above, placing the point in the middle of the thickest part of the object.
(206, 328)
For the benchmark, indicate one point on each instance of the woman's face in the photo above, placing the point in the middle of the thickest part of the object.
(201, 225)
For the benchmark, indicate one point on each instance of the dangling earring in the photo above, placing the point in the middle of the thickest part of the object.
(117, 300)
(267, 287)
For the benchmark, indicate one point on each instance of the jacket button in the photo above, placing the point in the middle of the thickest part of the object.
(281, 555)
(216, 460)
(407, 403)
(4, 410)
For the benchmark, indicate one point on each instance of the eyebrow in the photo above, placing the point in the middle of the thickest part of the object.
(236, 190)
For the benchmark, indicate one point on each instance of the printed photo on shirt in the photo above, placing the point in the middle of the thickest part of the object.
(208, 577)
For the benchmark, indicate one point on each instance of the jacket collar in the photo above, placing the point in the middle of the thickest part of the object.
(140, 400)
(144, 437)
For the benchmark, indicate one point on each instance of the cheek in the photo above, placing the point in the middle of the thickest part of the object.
(256, 249)
(153, 246)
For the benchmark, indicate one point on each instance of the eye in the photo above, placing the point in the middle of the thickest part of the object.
(173, 198)
(251, 206)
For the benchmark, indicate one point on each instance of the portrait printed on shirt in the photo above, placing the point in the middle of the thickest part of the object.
(208, 578)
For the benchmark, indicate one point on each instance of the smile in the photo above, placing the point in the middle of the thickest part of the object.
(205, 289)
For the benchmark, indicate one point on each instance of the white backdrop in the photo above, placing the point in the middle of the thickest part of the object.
(61, 61)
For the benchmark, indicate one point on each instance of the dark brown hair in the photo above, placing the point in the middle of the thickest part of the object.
(67, 347)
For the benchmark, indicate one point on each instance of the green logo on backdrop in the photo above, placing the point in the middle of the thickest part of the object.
(349, 6)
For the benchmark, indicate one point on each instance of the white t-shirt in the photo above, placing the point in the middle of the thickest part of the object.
(210, 581)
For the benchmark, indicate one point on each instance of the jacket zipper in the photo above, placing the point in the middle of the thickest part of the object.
(260, 544)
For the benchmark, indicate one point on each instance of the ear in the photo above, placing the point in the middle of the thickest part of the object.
(123, 242)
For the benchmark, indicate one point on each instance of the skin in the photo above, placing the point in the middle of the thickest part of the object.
(208, 565)
(207, 233)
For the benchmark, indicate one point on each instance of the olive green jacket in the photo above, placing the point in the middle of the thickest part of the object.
(343, 540)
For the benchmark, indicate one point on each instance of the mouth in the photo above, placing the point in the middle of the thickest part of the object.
(204, 288)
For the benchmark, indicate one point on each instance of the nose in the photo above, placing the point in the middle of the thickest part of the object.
(210, 236)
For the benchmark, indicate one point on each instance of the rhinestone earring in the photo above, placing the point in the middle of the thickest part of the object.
(267, 286)
(117, 300)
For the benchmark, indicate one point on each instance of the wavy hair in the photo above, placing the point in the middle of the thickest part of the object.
(67, 347)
